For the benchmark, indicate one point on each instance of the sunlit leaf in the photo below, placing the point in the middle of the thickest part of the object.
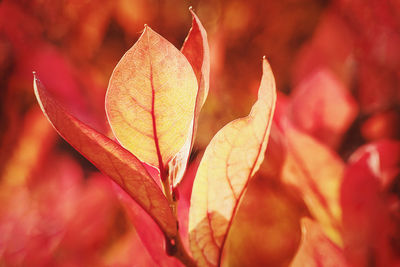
(316, 171)
(316, 249)
(230, 160)
(120, 165)
(150, 99)
(197, 52)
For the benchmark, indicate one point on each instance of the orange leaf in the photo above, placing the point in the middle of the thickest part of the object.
(266, 228)
(150, 99)
(230, 160)
(113, 160)
(197, 52)
(316, 172)
(317, 250)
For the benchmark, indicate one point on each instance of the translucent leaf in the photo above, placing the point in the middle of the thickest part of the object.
(113, 160)
(230, 160)
(150, 99)
(197, 52)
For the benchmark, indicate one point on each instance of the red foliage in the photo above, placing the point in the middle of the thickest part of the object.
(333, 153)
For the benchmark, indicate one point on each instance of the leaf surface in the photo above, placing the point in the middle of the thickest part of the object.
(316, 171)
(113, 160)
(370, 200)
(230, 160)
(196, 50)
(150, 99)
(323, 107)
(316, 249)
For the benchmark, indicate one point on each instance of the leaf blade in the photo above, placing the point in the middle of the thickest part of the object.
(120, 165)
(316, 249)
(150, 99)
(234, 155)
(316, 171)
(196, 50)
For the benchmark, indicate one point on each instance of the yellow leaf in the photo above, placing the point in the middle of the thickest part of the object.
(197, 52)
(150, 99)
(230, 160)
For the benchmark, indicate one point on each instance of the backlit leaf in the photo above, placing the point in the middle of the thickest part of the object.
(197, 52)
(230, 160)
(120, 165)
(150, 99)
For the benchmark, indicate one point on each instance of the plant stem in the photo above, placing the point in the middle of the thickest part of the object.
(181, 253)
(174, 245)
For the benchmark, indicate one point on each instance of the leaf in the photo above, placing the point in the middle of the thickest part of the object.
(323, 107)
(150, 99)
(266, 228)
(230, 160)
(316, 171)
(369, 199)
(195, 49)
(316, 249)
(113, 160)
(152, 239)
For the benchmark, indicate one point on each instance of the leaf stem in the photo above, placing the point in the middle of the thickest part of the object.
(174, 245)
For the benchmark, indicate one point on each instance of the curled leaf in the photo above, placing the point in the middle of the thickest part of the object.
(230, 160)
(196, 50)
(113, 160)
(150, 99)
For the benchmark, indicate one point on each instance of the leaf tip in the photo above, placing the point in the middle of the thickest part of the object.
(266, 65)
(35, 80)
(194, 16)
(147, 30)
(35, 77)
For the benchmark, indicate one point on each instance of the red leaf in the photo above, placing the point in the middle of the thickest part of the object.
(322, 107)
(120, 165)
(369, 206)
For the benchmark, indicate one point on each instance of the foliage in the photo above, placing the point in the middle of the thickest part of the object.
(170, 194)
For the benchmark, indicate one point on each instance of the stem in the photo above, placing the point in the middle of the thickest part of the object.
(181, 253)
(174, 245)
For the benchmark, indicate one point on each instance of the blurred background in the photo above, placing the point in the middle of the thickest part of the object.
(336, 65)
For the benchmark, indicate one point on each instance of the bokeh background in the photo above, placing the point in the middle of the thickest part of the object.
(336, 65)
